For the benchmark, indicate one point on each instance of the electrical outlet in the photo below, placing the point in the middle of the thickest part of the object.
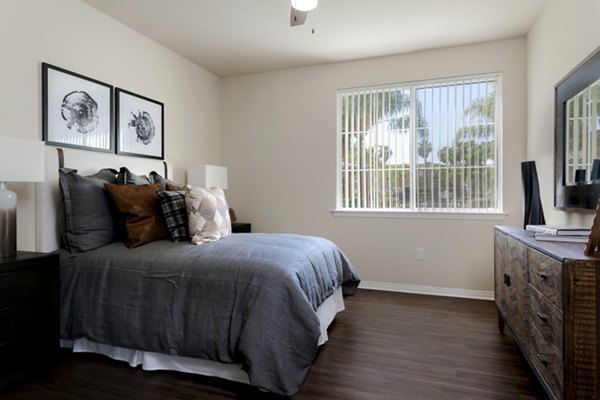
(420, 253)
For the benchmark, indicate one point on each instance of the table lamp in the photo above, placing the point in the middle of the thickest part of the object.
(207, 176)
(21, 160)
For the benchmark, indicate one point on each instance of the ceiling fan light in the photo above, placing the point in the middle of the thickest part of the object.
(305, 5)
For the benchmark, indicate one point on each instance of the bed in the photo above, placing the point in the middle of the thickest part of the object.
(251, 308)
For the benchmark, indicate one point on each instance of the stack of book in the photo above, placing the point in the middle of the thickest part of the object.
(560, 233)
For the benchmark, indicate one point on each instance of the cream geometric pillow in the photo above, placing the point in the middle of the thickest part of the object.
(208, 214)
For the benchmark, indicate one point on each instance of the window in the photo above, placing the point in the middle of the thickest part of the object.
(426, 146)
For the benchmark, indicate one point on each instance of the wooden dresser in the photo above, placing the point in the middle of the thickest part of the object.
(29, 319)
(546, 292)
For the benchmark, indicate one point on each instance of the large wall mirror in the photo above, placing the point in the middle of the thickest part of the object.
(577, 137)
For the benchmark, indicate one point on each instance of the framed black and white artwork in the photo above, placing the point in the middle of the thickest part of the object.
(76, 110)
(140, 125)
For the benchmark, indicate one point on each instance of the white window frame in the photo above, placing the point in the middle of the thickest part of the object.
(463, 213)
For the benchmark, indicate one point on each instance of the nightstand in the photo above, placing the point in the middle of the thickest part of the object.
(241, 227)
(29, 314)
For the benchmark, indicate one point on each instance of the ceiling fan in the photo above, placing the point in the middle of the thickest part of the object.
(300, 9)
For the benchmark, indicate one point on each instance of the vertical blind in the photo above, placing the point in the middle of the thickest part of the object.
(428, 146)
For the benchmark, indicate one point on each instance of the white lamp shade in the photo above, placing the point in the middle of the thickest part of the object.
(207, 176)
(305, 5)
(21, 160)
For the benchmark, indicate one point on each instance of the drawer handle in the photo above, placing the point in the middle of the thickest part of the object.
(507, 279)
(542, 274)
(542, 360)
(543, 317)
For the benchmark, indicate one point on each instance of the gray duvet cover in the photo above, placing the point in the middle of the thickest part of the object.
(247, 299)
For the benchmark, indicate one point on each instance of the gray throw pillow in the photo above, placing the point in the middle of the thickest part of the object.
(86, 217)
(126, 177)
(107, 175)
(165, 184)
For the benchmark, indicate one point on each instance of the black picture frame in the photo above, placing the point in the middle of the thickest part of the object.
(139, 124)
(77, 111)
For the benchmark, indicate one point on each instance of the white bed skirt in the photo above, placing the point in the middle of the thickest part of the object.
(151, 361)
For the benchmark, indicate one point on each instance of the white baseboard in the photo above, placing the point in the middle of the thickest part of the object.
(428, 290)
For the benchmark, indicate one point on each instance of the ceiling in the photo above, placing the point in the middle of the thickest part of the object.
(235, 37)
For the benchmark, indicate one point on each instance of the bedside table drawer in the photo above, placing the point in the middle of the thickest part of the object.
(29, 315)
(22, 352)
(24, 284)
(26, 318)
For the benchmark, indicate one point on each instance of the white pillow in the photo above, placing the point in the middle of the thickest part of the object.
(208, 214)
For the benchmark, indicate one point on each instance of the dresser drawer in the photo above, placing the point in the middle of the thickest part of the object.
(545, 274)
(18, 285)
(548, 363)
(546, 318)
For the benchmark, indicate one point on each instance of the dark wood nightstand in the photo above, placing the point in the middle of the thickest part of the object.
(241, 227)
(29, 314)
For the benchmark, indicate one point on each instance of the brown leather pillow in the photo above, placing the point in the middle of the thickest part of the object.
(139, 209)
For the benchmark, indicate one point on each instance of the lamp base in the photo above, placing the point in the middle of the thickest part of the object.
(8, 222)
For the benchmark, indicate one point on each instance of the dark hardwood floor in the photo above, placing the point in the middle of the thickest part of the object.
(383, 346)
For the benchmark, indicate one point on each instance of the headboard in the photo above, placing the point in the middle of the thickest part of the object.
(47, 197)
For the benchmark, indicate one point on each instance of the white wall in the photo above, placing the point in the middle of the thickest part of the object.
(279, 142)
(72, 35)
(276, 131)
(564, 35)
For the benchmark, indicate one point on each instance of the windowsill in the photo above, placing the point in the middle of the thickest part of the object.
(492, 216)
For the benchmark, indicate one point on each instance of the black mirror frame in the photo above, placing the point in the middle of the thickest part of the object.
(572, 197)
